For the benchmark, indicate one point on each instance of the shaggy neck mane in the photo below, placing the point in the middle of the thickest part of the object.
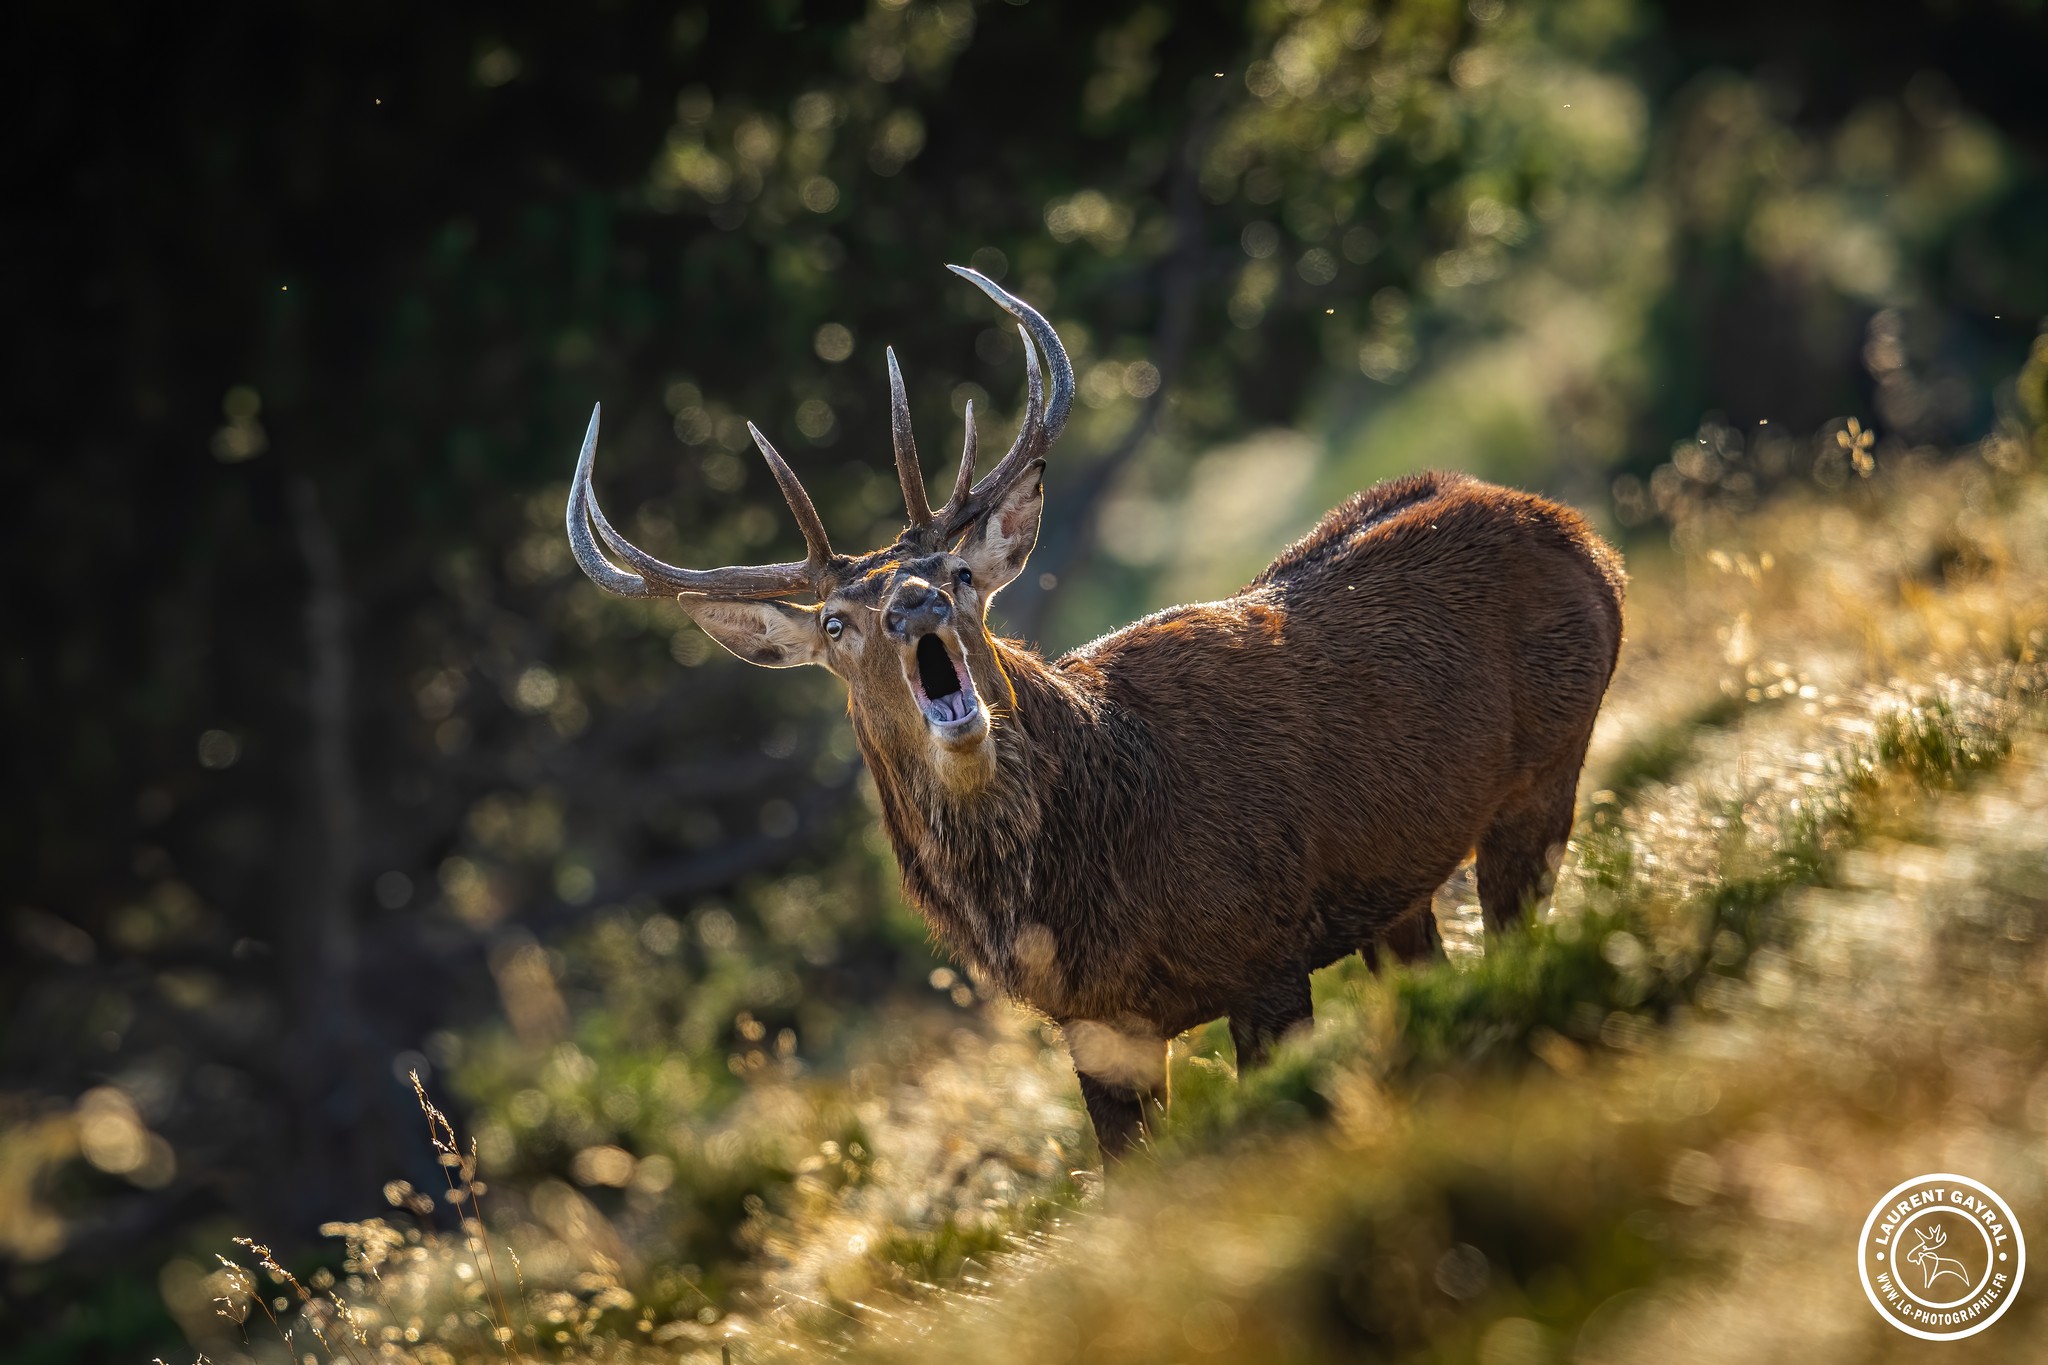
(969, 859)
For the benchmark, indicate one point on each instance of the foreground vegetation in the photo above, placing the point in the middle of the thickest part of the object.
(1795, 955)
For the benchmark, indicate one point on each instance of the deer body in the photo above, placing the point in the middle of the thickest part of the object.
(1186, 817)
(1192, 813)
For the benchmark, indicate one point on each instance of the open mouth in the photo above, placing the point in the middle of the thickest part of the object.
(945, 689)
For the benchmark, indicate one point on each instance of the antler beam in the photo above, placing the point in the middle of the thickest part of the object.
(646, 576)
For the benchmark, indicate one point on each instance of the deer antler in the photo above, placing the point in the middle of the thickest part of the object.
(650, 577)
(1940, 1237)
(963, 482)
(1043, 420)
(907, 471)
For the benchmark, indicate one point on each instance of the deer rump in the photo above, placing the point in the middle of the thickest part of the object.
(1184, 818)
(1213, 801)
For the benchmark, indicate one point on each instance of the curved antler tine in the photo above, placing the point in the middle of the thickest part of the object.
(1031, 438)
(907, 471)
(816, 546)
(963, 482)
(1034, 387)
(650, 576)
(1048, 340)
(1043, 418)
(582, 507)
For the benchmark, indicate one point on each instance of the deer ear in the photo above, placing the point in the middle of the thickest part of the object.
(772, 634)
(1000, 542)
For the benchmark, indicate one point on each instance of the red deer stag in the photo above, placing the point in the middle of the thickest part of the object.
(1185, 818)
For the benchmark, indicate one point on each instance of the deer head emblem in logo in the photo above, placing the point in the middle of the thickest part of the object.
(1936, 1209)
(1934, 1266)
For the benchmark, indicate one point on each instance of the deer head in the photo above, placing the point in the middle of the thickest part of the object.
(905, 625)
(1929, 1244)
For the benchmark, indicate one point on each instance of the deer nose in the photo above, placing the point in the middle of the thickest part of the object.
(913, 604)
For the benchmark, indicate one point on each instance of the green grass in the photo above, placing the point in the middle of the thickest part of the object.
(1661, 754)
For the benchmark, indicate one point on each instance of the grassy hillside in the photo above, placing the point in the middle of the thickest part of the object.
(1796, 955)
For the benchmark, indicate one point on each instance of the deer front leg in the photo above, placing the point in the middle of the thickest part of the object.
(1413, 938)
(1257, 1024)
(1116, 1110)
(1122, 1067)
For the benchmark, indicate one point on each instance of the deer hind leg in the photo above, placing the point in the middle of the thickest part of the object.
(1519, 853)
(1257, 1024)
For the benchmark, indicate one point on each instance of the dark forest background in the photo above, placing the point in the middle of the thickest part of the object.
(323, 765)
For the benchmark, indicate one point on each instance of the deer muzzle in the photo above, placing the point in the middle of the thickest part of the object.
(944, 688)
(920, 618)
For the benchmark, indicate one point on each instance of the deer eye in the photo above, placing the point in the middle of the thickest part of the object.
(964, 577)
(834, 626)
